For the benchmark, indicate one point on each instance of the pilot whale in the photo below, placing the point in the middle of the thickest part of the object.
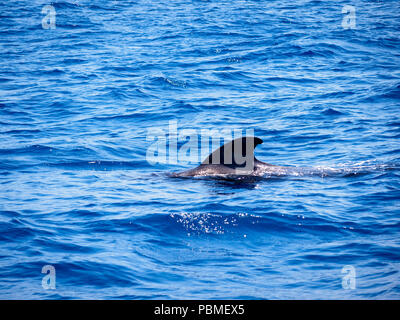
(235, 158)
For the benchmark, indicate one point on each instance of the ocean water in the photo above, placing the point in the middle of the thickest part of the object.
(83, 91)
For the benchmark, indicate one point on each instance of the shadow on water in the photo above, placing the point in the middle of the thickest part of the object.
(247, 183)
(219, 183)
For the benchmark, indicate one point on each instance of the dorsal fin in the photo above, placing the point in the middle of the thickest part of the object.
(238, 153)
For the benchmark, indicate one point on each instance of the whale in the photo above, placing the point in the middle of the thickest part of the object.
(235, 158)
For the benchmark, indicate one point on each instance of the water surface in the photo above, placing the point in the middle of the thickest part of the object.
(76, 191)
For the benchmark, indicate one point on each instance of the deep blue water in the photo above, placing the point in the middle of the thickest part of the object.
(78, 102)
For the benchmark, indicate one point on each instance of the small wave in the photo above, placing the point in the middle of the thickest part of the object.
(393, 93)
(99, 165)
(168, 81)
(33, 149)
(332, 112)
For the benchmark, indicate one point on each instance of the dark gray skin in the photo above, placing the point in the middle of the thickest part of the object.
(235, 158)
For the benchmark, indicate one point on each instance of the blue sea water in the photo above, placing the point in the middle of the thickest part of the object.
(77, 192)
